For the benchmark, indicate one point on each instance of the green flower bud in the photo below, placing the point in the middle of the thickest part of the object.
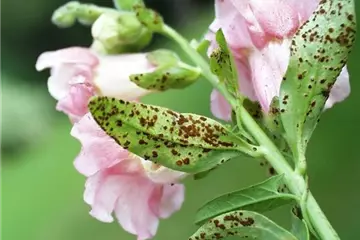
(86, 14)
(120, 32)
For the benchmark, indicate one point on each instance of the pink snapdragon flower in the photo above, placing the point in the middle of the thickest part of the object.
(78, 73)
(139, 192)
(258, 33)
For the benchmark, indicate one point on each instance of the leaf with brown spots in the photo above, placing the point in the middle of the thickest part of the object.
(319, 51)
(243, 224)
(270, 123)
(264, 196)
(149, 18)
(181, 141)
(170, 72)
(127, 5)
(222, 65)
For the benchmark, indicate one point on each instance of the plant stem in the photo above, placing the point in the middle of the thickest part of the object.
(294, 180)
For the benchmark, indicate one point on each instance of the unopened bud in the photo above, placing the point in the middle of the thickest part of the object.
(86, 14)
(120, 32)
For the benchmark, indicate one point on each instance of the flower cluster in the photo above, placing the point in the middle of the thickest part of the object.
(259, 34)
(139, 192)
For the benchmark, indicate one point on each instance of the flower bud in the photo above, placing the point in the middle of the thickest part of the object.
(119, 32)
(66, 15)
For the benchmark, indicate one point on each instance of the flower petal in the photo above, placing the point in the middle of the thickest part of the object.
(267, 71)
(340, 90)
(113, 74)
(219, 106)
(304, 8)
(98, 150)
(233, 24)
(101, 192)
(277, 18)
(161, 174)
(65, 75)
(72, 55)
(75, 103)
(171, 200)
(132, 207)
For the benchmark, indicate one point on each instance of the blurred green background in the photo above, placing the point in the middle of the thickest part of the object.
(42, 192)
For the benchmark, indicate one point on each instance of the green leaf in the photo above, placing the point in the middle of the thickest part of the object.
(181, 141)
(149, 18)
(298, 226)
(222, 65)
(319, 50)
(243, 224)
(261, 197)
(202, 47)
(170, 72)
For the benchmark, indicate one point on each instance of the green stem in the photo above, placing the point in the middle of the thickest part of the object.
(200, 61)
(294, 180)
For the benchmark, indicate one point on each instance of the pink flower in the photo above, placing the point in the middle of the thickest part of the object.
(78, 73)
(139, 192)
(258, 33)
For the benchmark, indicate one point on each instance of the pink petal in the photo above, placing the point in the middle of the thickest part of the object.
(161, 174)
(233, 24)
(72, 55)
(132, 207)
(245, 82)
(98, 150)
(64, 75)
(171, 200)
(167, 200)
(103, 189)
(219, 106)
(112, 75)
(305, 8)
(268, 71)
(340, 90)
(75, 103)
(276, 17)
(101, 192)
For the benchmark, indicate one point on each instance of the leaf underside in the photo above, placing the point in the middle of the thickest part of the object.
(261, 197)
(243, 224)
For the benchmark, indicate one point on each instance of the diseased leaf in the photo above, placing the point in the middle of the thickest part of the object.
(243, 224)
(222, 65)
(181, 141)
(149, 18)
(298, 226)
(261, 197)
(170, 72)
(270, 123)
(319, 50)
(127, 5)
